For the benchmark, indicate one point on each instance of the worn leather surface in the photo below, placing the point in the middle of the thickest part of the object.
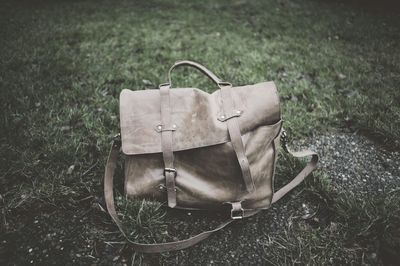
(200, 151)
(210, 176)
(195, 113)
(208, 172)
(185, 243)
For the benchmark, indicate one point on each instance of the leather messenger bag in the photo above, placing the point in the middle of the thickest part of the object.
(196, 150)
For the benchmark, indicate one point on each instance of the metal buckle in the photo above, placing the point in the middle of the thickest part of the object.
(284, 140)
(117, 136)
(164, 84)
(237, 214)
(117, 140)
(173, 170)
(224, 83)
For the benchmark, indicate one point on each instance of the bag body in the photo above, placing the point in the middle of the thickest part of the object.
(196, 150)
(208, 174)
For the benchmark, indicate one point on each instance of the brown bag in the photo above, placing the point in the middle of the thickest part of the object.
(197, 150)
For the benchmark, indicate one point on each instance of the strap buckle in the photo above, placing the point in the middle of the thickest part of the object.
(224, 84)
(117, 140)
(171, 170)
(284, 140)
(237, 214)
(237, 211)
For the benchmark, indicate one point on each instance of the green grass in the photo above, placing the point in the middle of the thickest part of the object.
(63, 64)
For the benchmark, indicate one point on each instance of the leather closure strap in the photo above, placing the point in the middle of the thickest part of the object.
(167, 145)
(230, 116)
(236, 137)
(232, 124)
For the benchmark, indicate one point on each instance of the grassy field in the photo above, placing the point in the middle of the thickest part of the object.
(63, 64)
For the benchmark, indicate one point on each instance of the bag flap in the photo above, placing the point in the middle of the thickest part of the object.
(195, 113)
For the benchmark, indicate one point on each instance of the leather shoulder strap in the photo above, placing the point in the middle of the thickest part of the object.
(141, 247)
(311, 165)
(182, 244)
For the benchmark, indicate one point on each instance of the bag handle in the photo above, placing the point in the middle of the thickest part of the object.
(182, 244)
(200, 67)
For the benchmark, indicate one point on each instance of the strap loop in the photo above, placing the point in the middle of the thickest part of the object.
(172, 170)
(237, 211)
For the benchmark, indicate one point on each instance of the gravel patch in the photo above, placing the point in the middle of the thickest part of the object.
(356, 164)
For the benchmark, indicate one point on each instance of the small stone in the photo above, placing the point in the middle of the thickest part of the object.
(70, 169)
(30, 250)
(65, 128)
